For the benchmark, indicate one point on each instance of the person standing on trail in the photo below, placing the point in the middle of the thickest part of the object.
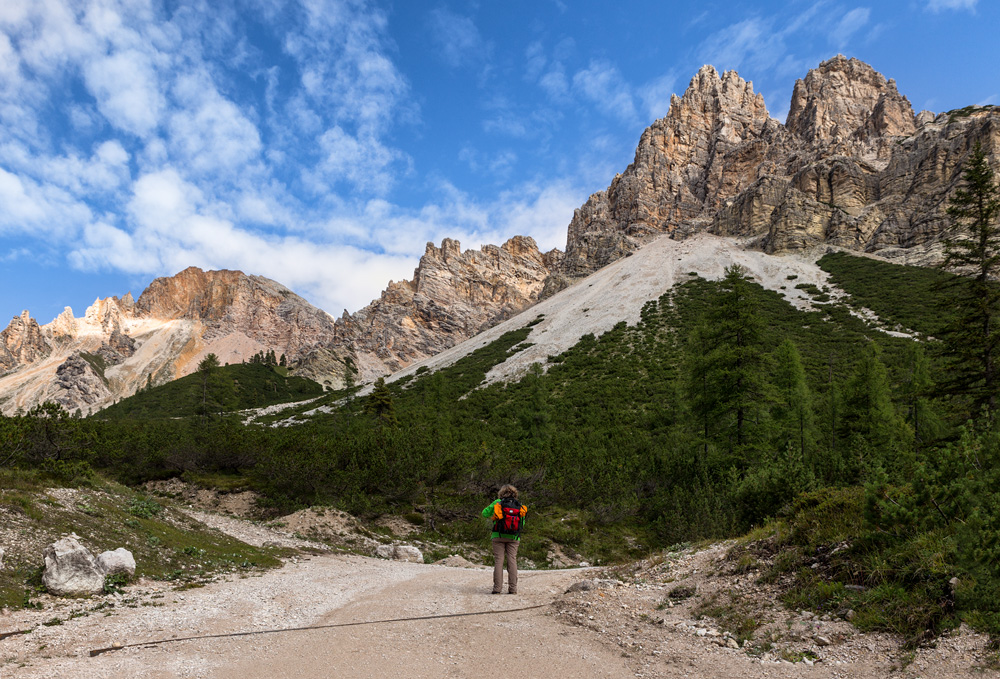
(508, 519)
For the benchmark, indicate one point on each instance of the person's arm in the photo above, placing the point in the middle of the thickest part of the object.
(488, 512)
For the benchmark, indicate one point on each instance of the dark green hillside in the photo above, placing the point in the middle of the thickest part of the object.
(227, 388)
(915, 298)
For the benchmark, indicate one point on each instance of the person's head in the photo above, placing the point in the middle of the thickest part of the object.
(507, 490)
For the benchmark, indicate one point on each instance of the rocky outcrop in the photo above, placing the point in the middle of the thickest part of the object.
(713, 143)
(845, 101)
(71, 570)
(852, 166)
(453, 296)
(22, 342)
(80, 385)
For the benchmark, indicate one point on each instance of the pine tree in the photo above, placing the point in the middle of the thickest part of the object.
(207, 369)
(380, 404)
(728, 381)
(973, 339)
(922, 418)
(793, 410)
(875, 432)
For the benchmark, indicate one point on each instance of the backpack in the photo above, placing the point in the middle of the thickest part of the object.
(512, 520)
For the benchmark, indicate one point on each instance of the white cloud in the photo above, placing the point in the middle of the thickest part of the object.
(362, 161)
(208, 132)
(852, 22)
(458, 40)
(603, 85)
(940, 5)
(655, 95)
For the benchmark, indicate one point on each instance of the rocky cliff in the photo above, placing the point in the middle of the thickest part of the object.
(852, 166)
(453, 296)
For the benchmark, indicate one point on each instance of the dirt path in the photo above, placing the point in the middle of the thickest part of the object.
(621, 627)
(322, 590)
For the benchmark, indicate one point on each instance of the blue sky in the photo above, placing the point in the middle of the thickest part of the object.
(322, 143)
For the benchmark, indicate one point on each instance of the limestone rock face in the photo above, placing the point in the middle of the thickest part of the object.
(22, 342)
(453, 296)
(79, 385)
(846, 100)
(712, 144)
(852, 167)
(71, 570)
(117, 562)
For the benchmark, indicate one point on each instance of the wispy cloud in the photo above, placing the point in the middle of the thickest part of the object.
(458, 40)
(603, 85)
(940, 5)
(852, 22)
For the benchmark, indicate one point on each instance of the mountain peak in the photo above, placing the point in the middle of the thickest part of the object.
(843, 99)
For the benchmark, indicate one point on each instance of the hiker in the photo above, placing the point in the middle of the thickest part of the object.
(508, 519)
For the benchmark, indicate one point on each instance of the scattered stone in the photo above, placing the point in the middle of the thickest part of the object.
(1, 557)
(821, 640)
(71, 570)
(116, 562)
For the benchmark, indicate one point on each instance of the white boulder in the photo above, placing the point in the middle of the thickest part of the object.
(408, 553)
(118, 561)
(71, 570)
(400, 553)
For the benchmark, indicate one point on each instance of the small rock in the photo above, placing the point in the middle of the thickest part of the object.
(821, 641)
(701, 632)
(732, 643)
(71, 570)
(1, 557)
(118, 561)
(849, 615)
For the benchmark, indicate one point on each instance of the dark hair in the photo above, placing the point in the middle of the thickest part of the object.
(507, 490)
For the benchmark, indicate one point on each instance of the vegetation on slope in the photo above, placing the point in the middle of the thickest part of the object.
(221, 389)
(167, 544)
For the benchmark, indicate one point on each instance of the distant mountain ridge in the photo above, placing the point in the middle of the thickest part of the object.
(852, 166)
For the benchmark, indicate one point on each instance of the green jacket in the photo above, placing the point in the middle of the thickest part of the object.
(488, 513)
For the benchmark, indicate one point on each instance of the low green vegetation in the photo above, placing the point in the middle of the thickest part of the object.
(217, 391)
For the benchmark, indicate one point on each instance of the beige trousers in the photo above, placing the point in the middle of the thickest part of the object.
(504, 547)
